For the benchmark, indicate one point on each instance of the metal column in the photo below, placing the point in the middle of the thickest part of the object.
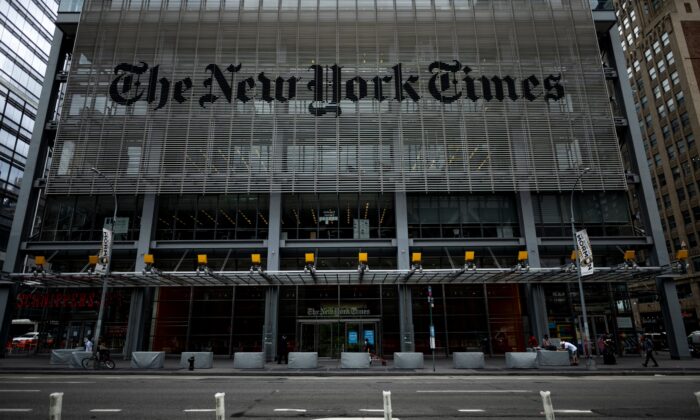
(535, 292)
(404, 292)
(272, 294)
(141, 297)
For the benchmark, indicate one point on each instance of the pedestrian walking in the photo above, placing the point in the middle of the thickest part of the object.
(282, 350)
(88, 344)
(649, 349)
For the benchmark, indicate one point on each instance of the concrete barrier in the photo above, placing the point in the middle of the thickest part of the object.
(552, 358)
(408, 360)
(249, 360)
(355, 360)
(303, 360)
(76, 359)
(61, 356)
(521, 360)
(202, 359)
(147, 359)
(468, 360)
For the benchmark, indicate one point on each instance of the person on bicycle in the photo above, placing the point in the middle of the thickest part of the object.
(103, 351)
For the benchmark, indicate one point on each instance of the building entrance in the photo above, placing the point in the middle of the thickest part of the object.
(331, 337)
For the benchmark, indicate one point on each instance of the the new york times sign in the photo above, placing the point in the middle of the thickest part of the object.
(448, 82)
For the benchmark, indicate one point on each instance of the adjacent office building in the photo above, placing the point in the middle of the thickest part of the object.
(26, 30)
(660, 41)
(322, 169)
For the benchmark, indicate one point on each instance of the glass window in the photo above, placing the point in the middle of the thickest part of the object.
(665, 39)
(674, 78)
(671, 152)
(648, 55)
(661, 110)
(669, 58)
(666, 85)
(657, 47)
(652, 73)
(661, 65)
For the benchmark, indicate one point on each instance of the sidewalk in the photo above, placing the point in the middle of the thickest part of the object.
(223, 366)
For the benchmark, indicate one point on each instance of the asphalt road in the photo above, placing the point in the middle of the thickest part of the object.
(93, 396)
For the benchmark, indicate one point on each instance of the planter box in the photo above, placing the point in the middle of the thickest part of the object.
(521, 360)
(249, 360)
(468, 360)
(553, 358)
(202, 359)
(147, 359)
(76, 358)
(61, 356)
(303, 360)
(356, 360)
(408, 360)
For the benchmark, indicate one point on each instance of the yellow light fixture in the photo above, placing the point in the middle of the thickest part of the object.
(573, 255)
(92, 259)
(202, 259)
(39, 260)
(416, 257)
(255, 259)
(522, 256)
(309, 258)
(682, 254)
(468, 256)
(148, 259)
(362, 257)
(630, 255)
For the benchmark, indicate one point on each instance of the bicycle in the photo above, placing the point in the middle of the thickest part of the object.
(96, 362)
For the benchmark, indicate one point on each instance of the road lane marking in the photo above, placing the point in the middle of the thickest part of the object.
(474, 391)
(470, 410)
(15, 410)
(105, 410)
(574, 411)
(20, 390)
(372, 410)
(199, 410)
(294, 410)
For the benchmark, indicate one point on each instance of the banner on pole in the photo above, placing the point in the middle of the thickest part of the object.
(585, 254)
(105, 252)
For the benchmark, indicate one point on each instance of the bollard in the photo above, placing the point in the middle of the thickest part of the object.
(547, 403)
(387, 404)
(697, 395)
(55, 405)
(220, 409)
(191, 362)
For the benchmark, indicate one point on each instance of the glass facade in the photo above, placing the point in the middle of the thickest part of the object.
(26, 31)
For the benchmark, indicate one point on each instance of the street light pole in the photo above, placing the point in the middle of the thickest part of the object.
(432, 327)
(584, 314)
(105, 276)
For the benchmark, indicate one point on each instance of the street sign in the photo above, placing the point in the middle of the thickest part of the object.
(105, 252)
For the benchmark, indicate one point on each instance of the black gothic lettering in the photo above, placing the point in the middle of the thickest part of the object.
(552, 82)
(378, 90)
(316, 85)
(443, 86)
(350, 89)
(445, 81)
(243, 87)
(116, 94)
(266, 87)
(224, 85)
(529, 84)
(291, 91)
(179, 90)
(400, 86)
(164, 88)
(498, 88)
(471, 86)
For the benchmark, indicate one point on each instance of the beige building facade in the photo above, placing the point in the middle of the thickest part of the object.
(661, 40)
